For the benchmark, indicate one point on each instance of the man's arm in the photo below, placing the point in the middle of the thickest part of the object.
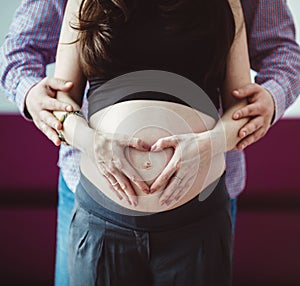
(275, 56)
(29, 46)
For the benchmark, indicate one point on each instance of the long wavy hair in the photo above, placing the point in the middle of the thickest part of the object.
(99, 19)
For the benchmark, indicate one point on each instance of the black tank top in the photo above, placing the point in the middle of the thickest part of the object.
(143, 43)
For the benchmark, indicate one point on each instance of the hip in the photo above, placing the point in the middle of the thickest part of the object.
(216, 205)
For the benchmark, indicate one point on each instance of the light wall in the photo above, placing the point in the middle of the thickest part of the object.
(6, 15)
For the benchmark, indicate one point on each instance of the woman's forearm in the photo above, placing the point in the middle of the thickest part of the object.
(224, 135)
(76, 130)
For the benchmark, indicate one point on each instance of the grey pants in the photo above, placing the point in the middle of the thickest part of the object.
(108, 250)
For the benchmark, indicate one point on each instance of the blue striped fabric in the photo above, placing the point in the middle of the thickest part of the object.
(32, 40)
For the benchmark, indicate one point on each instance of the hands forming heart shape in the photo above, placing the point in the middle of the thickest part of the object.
(169, 166)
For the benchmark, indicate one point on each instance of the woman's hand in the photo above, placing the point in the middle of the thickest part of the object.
(109, 151)
(191, 152)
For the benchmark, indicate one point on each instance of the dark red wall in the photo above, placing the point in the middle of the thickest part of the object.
(267, 241)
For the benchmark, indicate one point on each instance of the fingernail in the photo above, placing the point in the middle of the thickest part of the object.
(69, 108)
(243, 134)
(68, 84)
(153, 148)
(236, 116)
(236, 92)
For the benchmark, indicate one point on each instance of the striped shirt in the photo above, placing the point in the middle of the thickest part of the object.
(32, 40)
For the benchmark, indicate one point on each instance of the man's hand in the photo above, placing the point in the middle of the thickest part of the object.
(260, 109)
(41, 102)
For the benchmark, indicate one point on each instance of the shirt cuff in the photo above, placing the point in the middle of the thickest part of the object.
(26, 83)
(277, 94)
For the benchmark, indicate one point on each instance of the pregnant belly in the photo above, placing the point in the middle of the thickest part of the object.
(150, 121)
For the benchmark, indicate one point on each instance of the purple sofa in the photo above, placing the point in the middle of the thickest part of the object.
(267, 241)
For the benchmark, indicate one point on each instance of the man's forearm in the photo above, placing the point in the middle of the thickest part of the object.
(274, 52)
(29, 46)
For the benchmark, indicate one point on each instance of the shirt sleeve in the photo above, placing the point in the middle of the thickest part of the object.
(29, 47)
(274, 53)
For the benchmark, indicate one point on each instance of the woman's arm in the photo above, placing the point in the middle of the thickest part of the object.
(75, 129)
(237, 75)
(106, 150)
(195, 150)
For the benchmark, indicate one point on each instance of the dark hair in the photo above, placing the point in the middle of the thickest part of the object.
(98, 20)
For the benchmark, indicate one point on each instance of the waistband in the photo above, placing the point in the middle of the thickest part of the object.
(192, 211)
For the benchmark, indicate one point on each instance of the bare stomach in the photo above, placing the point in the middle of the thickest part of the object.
(151, 120)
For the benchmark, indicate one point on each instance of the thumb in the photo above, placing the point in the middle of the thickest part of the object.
(245, 91)
(139, 144)
(163, 143)
(58, 84)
